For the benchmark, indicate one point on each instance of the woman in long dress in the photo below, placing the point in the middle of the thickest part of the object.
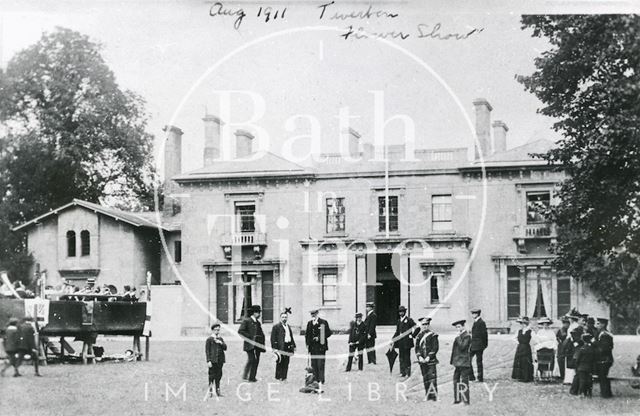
(523, 360)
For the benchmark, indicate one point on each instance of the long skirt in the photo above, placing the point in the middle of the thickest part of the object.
(523, 363)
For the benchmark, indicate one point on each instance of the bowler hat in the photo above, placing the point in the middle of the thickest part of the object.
(359, 315)
(313, 311)
(256, 308)
(370, 305)
(425, 320)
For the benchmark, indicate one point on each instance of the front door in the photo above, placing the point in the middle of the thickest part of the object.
(387, 290)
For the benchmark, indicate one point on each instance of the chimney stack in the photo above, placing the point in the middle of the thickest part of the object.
(354, 143)
(500, 130)
(211, 139)
(483, 126)
(244, 143)
(172, 152)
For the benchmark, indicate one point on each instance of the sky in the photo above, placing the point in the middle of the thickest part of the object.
(288, 79)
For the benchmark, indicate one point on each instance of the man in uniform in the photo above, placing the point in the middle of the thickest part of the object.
(561, 336)
(604, 357)
(251, 331)
(461, 360)
(426, 349)
(283, 344)
(370, 325)
(316, 338)
(479, 342)
(357, 337)
(404, 341)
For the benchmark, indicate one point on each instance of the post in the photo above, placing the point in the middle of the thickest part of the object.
(36, 340)
(146, 348)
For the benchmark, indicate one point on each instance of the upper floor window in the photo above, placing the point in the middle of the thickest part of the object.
(245, 217)
(391, 213)
(177, 251)
(335, 215)
(442, 213)
(85, 243)
(538, 204)
(71, 243)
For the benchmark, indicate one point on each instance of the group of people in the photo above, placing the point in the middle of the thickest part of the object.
(583, 347)
(72, 292)
(20, 342)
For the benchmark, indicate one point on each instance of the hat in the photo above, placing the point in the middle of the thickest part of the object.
(359, 315)
(476, 310)
(603, 321)
(255, 308)
(523, 320)
(13, 321)
(545, 320)
(425, 320)
(460, 322)
(565, 319)
(313, 311)
(402, 309)
(370, 305)
(584, 315)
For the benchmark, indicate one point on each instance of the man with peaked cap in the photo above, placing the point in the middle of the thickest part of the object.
(604, 357)
(357, 338)
(316, 338)
(461, 360)
(561, 336)
(370, 322)
(403, 340)
(479, 342)
(251, 331)
(585, 358)
(283, 345)
(426, 349)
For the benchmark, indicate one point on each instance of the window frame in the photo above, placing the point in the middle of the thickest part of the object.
(338, 202)
(536, 220)
(177, 251)
(71, 243)
(240, 218)
(85, 243)
(394, 219)
(324, 273)
(438, 224)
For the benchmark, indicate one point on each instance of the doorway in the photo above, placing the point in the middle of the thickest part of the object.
(387, 290)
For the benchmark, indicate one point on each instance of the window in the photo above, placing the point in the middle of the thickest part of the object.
(85, 243)
(441, 212)
(564, 296)
(71, 243)
(177, 251)
(335, 215)
(538, 204)
(513, 292)
(435, 295)
(329, 279)
(393, 213)
(245, 217)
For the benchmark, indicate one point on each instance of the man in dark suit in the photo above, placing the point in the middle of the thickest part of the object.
(316, 338)
(561, 336)
(604, 357)
(283, 345)
(479, 342)
(403, 341)
(461, 360)
(214, 350)
(357, 336)
(251, 332)
(370, 325)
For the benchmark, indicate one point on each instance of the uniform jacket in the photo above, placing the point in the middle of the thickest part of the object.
(370, 324)
(322, 332)
(252, 330)
(479, 336)
(604, 347)
(427, 346)
(460, 351)
(277, 337)
(585, 358)
(357, 334)
(27, 337)
(404, 326)
(570, 349)
(215, 351)
(11, 339)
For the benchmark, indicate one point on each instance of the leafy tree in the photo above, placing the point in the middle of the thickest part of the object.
(590, 82)
(67, 131)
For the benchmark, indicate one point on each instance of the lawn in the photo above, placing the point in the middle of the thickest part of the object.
(174, 382)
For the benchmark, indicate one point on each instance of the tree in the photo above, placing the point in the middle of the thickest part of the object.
(590, 82)
(67, 131)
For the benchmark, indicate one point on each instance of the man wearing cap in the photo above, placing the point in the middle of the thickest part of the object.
(283, 345)
(316, 338)
(604, 357)
(357, 338)
(561, 336)
(370, 325)
(251, 331)
(461, 360)
(585, 358)
(403, 341)
(479, 342)
(426, 349)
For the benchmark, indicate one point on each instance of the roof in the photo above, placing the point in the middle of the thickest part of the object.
(139, 219)
(523, 152)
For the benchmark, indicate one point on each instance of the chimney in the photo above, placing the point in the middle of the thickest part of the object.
(211, 139)
(500, 130)
(172, 152)
(353, 143)
(483, 122)
(244, 143)
(368, 151)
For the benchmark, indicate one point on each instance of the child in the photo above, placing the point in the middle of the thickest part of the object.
(310, 383)
(11, 347)
(585, 358)
(215, 348)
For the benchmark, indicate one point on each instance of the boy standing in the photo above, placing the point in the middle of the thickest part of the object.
(585, 358)
(215, 348)
(11, 346)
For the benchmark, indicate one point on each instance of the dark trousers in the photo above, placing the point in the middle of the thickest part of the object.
(602, 371)
(317, 364)
(585, 383)
(251, 368)
(562, 361)
(282, 368)
(215, 374)
(371, 351)
(405, 361)
(430, 380)
(352, 353)
(574, 385)
(461, 384)
(478, 355)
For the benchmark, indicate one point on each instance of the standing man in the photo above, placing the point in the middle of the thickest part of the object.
(283, 344)
(27, 345)
(251, 332)
(561, 336)
(426, 349)
(370, 325)
(403, 341)
(214, 350)
(604, 357)
(461, 360)
(479, 342)
(316, 338)
(357, 338)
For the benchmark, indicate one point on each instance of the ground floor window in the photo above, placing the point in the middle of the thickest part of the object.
(536, 291)
(329, 281)
(235, 293)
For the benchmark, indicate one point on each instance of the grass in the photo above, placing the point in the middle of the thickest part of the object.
(141, 388)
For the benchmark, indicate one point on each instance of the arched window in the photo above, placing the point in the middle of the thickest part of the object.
(71, 243)
(85, 243)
